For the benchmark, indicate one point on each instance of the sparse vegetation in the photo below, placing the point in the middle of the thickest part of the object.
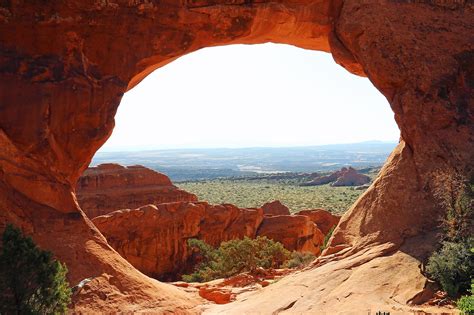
(254, 193)
(31, 281)
(466, 303)
(245, 255)
(452, 266)
(326, 238)
(299, 260)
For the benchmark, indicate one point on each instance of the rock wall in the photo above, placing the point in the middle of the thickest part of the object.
(153, 237)
(109, 187)
(64, 66)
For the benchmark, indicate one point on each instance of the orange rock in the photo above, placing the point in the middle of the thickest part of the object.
(324, 220)
(275, 208)
(109, 187)
(295, 232)
(154, 238)
(350, 177)
(216, 295)
(65, 65)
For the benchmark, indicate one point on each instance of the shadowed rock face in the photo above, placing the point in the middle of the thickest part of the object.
(109, 187)
(64, 66)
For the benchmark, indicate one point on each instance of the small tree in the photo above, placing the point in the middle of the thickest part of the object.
(236, 256)
(452, 266)
(31, 281)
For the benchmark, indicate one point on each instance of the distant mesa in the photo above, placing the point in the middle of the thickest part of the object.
(109, 187)
(275, 208)
(346, 176)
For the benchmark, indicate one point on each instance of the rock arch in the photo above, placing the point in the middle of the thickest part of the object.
(64, 67)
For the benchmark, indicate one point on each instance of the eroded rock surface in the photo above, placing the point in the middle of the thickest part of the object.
(323, 219)
(109, 187)
(295, 232)
(153, 238)
(64, 66)
(275, 208)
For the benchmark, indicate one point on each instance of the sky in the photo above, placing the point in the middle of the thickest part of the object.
(267, 95)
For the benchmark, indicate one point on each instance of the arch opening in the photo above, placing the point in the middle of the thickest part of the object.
(227, 120)
(269, 96)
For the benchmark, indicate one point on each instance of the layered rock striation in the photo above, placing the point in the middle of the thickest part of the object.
(109, 187)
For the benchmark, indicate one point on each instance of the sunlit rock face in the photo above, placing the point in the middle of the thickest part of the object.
(153, 238)
(323, 219)
(275, 208)
(109, 187)
(64, 66)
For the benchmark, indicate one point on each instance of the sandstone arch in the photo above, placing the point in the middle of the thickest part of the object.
(64, 67)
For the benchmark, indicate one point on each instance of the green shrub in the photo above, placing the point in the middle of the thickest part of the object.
(466, 303)
(236, 256)
(452, 266)
(31, 281)
(460, 215)
(326, 238)
(299, 260)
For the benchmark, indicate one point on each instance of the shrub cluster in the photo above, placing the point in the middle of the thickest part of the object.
(31, 281)
(452, 266)
(237, 256)
(466, 303)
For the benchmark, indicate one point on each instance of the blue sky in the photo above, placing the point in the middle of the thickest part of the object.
(247, 96)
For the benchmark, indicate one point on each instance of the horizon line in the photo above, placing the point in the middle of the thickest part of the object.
(141, 148)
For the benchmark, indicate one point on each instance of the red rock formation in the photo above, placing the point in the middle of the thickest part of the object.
(109, 187)
(64, 66)
(323, 219)
(344, 177)
(350, 177)
(153, 238)
(216, 295)
(275, 208)
(295, 232)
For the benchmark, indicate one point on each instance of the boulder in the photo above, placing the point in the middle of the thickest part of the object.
(275, 208)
